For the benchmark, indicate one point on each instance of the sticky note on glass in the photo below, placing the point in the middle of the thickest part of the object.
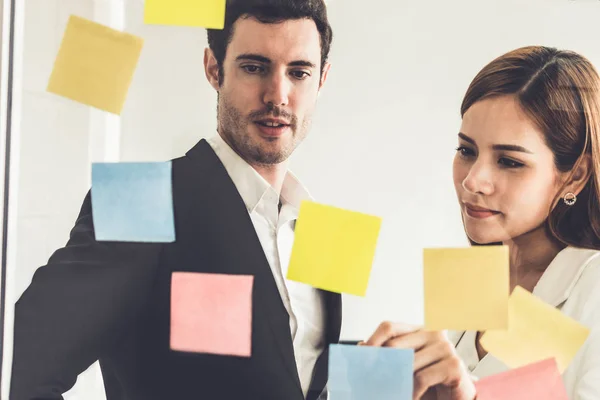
(540, 380)
(366, 373)
(133, 202)
(202, 13)
(466, 288)
(333, 248)
(95, 65)
(211, 313)
(537, 331)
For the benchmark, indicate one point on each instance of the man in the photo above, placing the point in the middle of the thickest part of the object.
(235, 209)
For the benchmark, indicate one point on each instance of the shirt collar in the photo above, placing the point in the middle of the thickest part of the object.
(250, 184)
(293, 192)
(561, 276)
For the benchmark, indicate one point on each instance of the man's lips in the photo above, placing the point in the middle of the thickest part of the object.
(272, 122)
(272, 130)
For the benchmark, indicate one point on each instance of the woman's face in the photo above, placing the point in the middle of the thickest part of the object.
(504, 173)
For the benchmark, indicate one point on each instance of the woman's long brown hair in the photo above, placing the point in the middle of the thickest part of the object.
(560, 91)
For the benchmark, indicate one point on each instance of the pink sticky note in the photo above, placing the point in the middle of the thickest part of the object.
(211, 313)
(540, 380)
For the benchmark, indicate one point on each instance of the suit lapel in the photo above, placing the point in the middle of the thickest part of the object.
(228, 209)
(334, 317)
(333, 304)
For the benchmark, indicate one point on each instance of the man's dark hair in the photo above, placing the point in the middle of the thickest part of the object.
(270, 12)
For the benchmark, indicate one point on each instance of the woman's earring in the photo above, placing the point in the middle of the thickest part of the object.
(570, 199)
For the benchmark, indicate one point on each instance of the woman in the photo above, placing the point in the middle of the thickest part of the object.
(527, 175)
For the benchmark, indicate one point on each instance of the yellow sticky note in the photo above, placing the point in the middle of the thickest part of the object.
(95, 65)
(203, 13)
(333, 248)
(536, 331)
(466, 288)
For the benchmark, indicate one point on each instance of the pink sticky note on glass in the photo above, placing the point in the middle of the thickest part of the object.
(540, 380)
(211, 313)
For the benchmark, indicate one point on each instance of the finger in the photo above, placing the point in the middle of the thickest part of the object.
(414, 340)
(447, 372)
(431, 394)
(433, 353)
(387, 330)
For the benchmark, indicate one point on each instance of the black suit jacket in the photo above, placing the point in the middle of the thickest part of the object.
(110, 301)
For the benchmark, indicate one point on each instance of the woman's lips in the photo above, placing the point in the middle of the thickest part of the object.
(478, 212)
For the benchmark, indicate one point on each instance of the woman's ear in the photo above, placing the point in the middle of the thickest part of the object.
(579, 176)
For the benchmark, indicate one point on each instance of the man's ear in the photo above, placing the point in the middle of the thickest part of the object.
(580, 176)
(211, 69)
(324, 75)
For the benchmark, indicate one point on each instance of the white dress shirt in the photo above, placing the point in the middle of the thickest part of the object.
(571, 283)
(275, 230)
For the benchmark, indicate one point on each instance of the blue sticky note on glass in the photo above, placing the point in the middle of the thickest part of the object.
(366, 373)
(133, 202)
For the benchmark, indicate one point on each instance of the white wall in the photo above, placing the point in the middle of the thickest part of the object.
(53, 161)
(382, 141)
(5, 12)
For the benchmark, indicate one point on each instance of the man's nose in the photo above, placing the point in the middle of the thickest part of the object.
(277, 90)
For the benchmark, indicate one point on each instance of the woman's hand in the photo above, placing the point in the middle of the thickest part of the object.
(439, 374)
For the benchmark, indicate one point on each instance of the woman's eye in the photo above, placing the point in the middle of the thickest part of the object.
(465, 151)
(507, 162)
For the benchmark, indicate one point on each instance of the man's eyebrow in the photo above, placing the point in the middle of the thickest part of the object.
(302, 63)
(265, 60)
(253, 57)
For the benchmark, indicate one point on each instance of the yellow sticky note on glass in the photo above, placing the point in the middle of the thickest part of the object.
(202, 13)
(466, 288)
(333, 248)
(536, 331)
(95, 65)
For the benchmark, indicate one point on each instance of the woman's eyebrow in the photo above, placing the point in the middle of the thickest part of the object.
(505, 147)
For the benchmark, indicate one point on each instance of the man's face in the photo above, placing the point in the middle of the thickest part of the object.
(267, 95)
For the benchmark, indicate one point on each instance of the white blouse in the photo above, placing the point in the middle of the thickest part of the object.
(571, 283)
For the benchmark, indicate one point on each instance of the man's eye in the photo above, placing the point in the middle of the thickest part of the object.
(252, 69)
(300, 74)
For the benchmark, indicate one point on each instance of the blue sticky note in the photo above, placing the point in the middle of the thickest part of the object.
(366, 373)
(133, 202)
